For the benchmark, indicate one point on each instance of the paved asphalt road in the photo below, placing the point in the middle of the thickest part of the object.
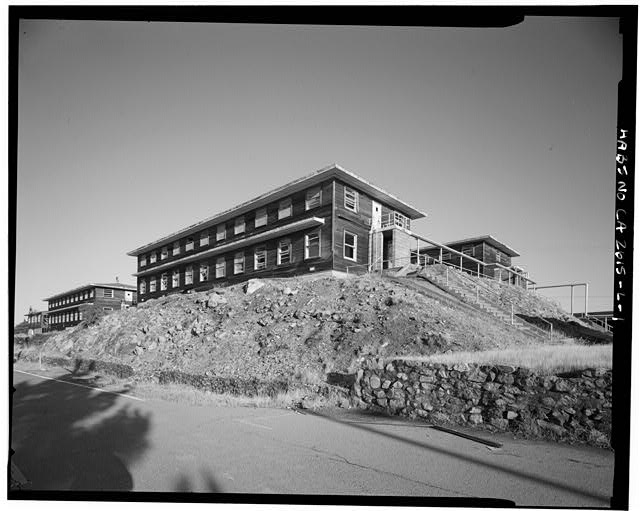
(67, 436)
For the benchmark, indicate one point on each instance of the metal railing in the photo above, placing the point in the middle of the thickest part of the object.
(445, 249)
(571, 285)
(370, 268)
(395, 219)
(601, 321)
(498, 296)
(422, 261)
(517, 276)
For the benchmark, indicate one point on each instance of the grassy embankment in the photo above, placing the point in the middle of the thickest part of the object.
(195, 397)
(185, 394)
(551, 359)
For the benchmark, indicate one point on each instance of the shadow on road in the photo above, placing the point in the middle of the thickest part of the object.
(552, 484)
(67, 437)
(185, 484)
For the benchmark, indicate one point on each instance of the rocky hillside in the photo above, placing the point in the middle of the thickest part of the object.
(298, 328)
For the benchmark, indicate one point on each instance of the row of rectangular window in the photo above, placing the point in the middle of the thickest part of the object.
(313, 199)
(69, 317)
(471, 251)
(66, 317)
(76, 298)
(312, 249)
(284, 256)
(107, 293)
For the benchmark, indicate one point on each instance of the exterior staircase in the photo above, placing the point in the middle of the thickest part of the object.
(430, 290)
(596, 322)
(479, 295)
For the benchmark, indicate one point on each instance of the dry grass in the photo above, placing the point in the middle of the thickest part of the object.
(29, 365)
(544, 359)
(308, 375)
(195, 397)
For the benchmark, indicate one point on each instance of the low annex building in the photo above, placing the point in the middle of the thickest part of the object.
(330, 220)
(495, 254)
(67, 309)
(37, 320)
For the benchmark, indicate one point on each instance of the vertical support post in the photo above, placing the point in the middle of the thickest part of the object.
(586, 299)
(572, 299)
(460, 263)
(440, 255)
(381, 252)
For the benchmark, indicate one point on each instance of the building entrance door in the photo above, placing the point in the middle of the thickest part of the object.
(376, 215)
(387, 249)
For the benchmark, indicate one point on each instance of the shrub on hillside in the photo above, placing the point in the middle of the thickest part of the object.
(21, 328)
(92, 316)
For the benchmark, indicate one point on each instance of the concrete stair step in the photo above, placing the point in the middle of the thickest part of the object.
(469, 295)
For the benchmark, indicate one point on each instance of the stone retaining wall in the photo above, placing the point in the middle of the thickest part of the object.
(569, 407)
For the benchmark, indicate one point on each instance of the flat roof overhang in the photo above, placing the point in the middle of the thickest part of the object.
(487, 239)
(331, 172)
(250, 240)
(125, 287)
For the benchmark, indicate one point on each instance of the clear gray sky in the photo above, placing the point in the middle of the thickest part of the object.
(129, 131)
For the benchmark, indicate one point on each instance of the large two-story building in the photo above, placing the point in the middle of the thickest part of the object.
(331, 220)
(68, 308)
